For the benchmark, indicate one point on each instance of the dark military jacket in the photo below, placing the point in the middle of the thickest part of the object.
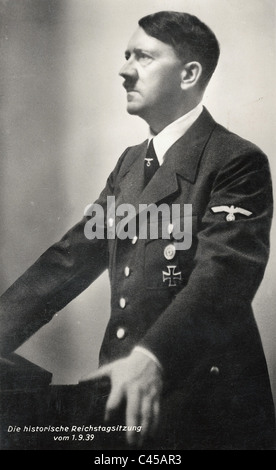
(191, 308)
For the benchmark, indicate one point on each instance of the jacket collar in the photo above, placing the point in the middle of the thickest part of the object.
(183, 158)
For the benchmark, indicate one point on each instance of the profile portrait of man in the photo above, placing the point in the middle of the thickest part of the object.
(182, 349)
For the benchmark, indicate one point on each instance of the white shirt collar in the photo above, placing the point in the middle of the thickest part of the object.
(170, 134)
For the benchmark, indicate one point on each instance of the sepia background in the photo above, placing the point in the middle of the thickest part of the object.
(64, 125)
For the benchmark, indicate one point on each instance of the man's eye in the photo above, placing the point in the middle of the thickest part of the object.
(144, 59)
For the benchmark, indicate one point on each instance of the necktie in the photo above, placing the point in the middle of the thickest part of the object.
(151, 163)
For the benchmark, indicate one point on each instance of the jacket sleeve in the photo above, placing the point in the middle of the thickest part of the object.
(65, 270)
(212, 310)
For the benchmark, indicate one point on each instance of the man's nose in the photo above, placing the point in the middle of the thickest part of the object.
(128, 70)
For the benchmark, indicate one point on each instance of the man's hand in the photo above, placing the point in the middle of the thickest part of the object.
(138, 380)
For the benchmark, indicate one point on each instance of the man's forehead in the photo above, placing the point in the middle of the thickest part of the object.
(141, 40)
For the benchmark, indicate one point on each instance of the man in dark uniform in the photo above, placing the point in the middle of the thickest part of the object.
(182, 349)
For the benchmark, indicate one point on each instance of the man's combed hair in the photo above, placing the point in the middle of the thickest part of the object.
(191, 39)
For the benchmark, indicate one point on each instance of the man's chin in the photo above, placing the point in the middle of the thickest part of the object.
(132, 109)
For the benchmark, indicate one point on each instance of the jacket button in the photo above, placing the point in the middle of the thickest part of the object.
(170, 229)
(110, 222)
(214, 370)
(122, 302)
(134, 240)
(127, 271)
(120, 333)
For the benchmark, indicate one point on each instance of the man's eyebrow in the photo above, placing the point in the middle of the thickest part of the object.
(138, 50)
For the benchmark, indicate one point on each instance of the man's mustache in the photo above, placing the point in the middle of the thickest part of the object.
(129, 84)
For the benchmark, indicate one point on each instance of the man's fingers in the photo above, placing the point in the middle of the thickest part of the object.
(146, 418)
(104, 371)
(155, 417)
(115, 398)
(133, 414)
(150, 411)
(136, 382)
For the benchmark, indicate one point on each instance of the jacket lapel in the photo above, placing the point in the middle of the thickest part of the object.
(183, 159)
(132, 175)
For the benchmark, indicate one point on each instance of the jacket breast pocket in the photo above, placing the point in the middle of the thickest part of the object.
(168, 262)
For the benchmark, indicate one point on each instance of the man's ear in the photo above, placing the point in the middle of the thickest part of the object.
(190, 75)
